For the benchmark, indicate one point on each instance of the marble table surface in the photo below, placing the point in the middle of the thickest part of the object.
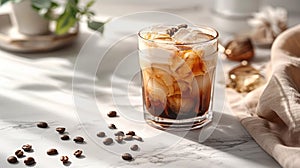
(76, 86)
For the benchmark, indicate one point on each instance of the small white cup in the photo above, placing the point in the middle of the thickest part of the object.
(236, 8)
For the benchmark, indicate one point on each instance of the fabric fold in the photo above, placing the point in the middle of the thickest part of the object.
(271, 113)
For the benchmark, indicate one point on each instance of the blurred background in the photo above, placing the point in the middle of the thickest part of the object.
(228, 16)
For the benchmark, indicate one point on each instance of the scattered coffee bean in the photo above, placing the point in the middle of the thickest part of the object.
(52, 152)
(138, 138)
(182, 26)
(78, 139)
(19, 153)
(127, 156)
(119, 139)
(112, 114)
(29, 161)
(65, 137)
(42, 125)
(64, 159)
(27, 148)
(132, 133)
(134, 147)
(78, 153)
(112, 126)
(108, 141)
(101, 134)
(12, 159)
(60, 130)
(128, 138)
(119, 133)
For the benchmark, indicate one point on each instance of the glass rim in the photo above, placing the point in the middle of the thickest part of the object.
(180, 44)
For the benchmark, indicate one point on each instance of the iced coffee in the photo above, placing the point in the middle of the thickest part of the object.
(177, 66)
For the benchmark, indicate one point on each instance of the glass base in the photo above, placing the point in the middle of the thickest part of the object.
(179, 125)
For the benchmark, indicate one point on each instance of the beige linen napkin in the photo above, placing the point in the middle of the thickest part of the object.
(271, 114)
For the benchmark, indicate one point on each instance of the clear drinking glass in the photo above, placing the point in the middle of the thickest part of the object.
(177, 65)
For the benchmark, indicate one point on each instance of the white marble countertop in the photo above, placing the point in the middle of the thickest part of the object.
(76, 86)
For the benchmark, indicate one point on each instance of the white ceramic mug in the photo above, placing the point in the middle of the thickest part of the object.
(243, 8)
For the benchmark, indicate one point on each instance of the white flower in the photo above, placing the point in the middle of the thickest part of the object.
(274, 18)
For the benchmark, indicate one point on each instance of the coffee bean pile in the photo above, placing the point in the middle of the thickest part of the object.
(120, 137)
(30, 161)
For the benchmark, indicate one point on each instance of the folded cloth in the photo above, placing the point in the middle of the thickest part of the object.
(271, 113)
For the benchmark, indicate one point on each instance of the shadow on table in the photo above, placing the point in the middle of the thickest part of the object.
(230, 137)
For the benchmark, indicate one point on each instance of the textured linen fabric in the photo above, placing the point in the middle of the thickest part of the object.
(271, 113)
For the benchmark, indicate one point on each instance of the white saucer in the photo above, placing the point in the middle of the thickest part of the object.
(12, 40)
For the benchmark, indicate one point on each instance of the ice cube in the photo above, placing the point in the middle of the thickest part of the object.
(156, 55)
(163, 75)
(157, 91)
(175, 62)
(194, 62)
(183, 71)
(207, 49)
(164, 78)
(182, 35)
(174, 103)
(182, 88)
(188, 35)
(180, 105)
(187, 105)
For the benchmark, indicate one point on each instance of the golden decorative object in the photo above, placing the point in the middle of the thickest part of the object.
(245, 78)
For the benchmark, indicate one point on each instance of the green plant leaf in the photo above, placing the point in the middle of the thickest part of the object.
(90, 3)
(98, 26)
(41, 4)
(3, 1)
(68, 18)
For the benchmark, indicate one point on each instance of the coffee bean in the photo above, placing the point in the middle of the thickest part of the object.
(127, 156)
(112, 126)
(108, 141)
(12, 159)
(128, 138)
(134, 147)
(19, 153)
(78, 139)
(27, 148)
(182, 26)
(119, 139)
(132, 133)
(78, 153)
(119, 133)
(64, 159)
(29, 161)
(42, 125)
(138, 138)
(52, 152)
(112, 114)
(101, 134)
(65, 137)
(60, 130)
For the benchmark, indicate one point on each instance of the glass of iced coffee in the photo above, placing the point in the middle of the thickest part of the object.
(177, 65)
